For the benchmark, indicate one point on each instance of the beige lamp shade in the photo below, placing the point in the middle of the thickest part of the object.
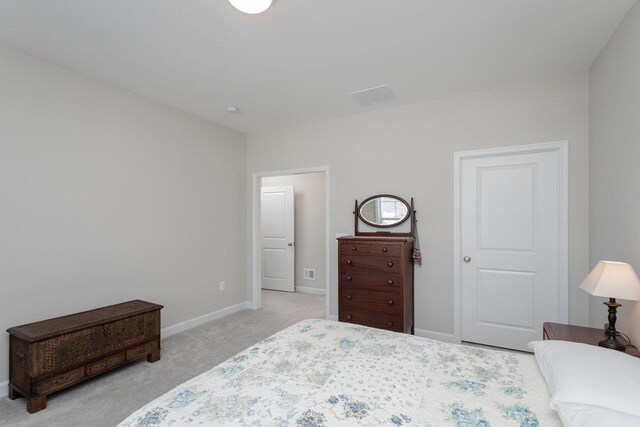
(612, 279)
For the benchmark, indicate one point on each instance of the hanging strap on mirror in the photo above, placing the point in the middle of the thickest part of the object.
(417, 256)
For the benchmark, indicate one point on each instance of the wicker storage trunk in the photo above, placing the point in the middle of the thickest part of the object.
(53, 354)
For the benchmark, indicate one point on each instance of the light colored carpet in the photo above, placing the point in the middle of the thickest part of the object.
(110, 398)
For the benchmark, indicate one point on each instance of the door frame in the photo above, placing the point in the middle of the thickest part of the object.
(562, 150)
(256, 264)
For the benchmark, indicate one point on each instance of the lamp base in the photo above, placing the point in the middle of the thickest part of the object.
(612, 343)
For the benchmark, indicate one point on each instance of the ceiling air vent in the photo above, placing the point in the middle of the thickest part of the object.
(374, 95)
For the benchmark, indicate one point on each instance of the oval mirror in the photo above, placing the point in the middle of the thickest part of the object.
(384, 210)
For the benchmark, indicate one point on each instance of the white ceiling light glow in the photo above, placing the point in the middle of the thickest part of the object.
(251, 6)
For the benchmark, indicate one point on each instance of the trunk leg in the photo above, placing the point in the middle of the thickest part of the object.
(36, 404)
(154, 357)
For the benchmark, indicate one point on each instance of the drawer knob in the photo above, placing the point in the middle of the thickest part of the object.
(390, 264)
(390, 324)
(349, 317)
(348, 296)
(349, 278)
(384, 249)
(353, 248)
(349, 261)
(390, 302)
(20, 356)
(390, 282)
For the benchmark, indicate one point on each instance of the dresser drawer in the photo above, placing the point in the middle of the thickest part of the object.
(105, 364)
(391, 249)
(78, 347)
(373, 264)
(360, 299)
(372, 281)
(391, 322)
(60, 381)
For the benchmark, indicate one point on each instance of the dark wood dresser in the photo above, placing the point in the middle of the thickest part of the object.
(53, 354)
(376, 282)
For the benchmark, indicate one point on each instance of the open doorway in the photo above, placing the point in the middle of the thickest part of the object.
(290, 246)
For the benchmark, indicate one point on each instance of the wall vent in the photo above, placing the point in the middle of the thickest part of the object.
(309, 274)
(374, 95)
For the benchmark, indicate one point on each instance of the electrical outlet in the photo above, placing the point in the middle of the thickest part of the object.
(222, 285)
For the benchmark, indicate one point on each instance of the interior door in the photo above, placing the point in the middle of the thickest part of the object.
(509, 224)
(277, 234)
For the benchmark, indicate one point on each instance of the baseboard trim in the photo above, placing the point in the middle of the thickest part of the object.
(308, 290)
(332, 317)
(4, 389)
(439, 336)
(205, 318)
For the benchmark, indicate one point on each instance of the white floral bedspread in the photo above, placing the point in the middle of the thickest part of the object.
(324, 373)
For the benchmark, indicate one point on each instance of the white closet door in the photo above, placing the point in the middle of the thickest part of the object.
(277, 234)
(509, 224)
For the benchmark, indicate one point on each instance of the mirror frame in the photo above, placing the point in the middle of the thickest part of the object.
(377, 196)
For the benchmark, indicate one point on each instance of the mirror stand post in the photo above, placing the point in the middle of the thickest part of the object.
(355, 218)
(413, 219)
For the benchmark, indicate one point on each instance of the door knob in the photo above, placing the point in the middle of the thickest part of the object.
(467, 259)
(289, 244)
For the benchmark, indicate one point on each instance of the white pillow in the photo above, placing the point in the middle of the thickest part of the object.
(579, 415)
(590, 375)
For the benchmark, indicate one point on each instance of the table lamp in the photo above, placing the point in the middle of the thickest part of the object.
(612, 280)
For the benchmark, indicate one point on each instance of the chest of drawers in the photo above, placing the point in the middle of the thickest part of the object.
(53, 354)
(375, 286)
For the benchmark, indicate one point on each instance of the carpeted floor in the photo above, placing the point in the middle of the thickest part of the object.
(111, 397)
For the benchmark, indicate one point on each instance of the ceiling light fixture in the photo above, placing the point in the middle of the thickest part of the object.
(232, 109)
(251, 6)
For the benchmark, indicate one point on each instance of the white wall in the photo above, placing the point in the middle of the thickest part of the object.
(310, 224)
(615, 162)
(408, 151)
(107, 196)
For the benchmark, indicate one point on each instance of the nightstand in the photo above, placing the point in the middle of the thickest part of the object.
(581, 334)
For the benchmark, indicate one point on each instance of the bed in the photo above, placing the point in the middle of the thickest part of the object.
(325, 373)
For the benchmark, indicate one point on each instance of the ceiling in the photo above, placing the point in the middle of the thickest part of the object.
(301, 59)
